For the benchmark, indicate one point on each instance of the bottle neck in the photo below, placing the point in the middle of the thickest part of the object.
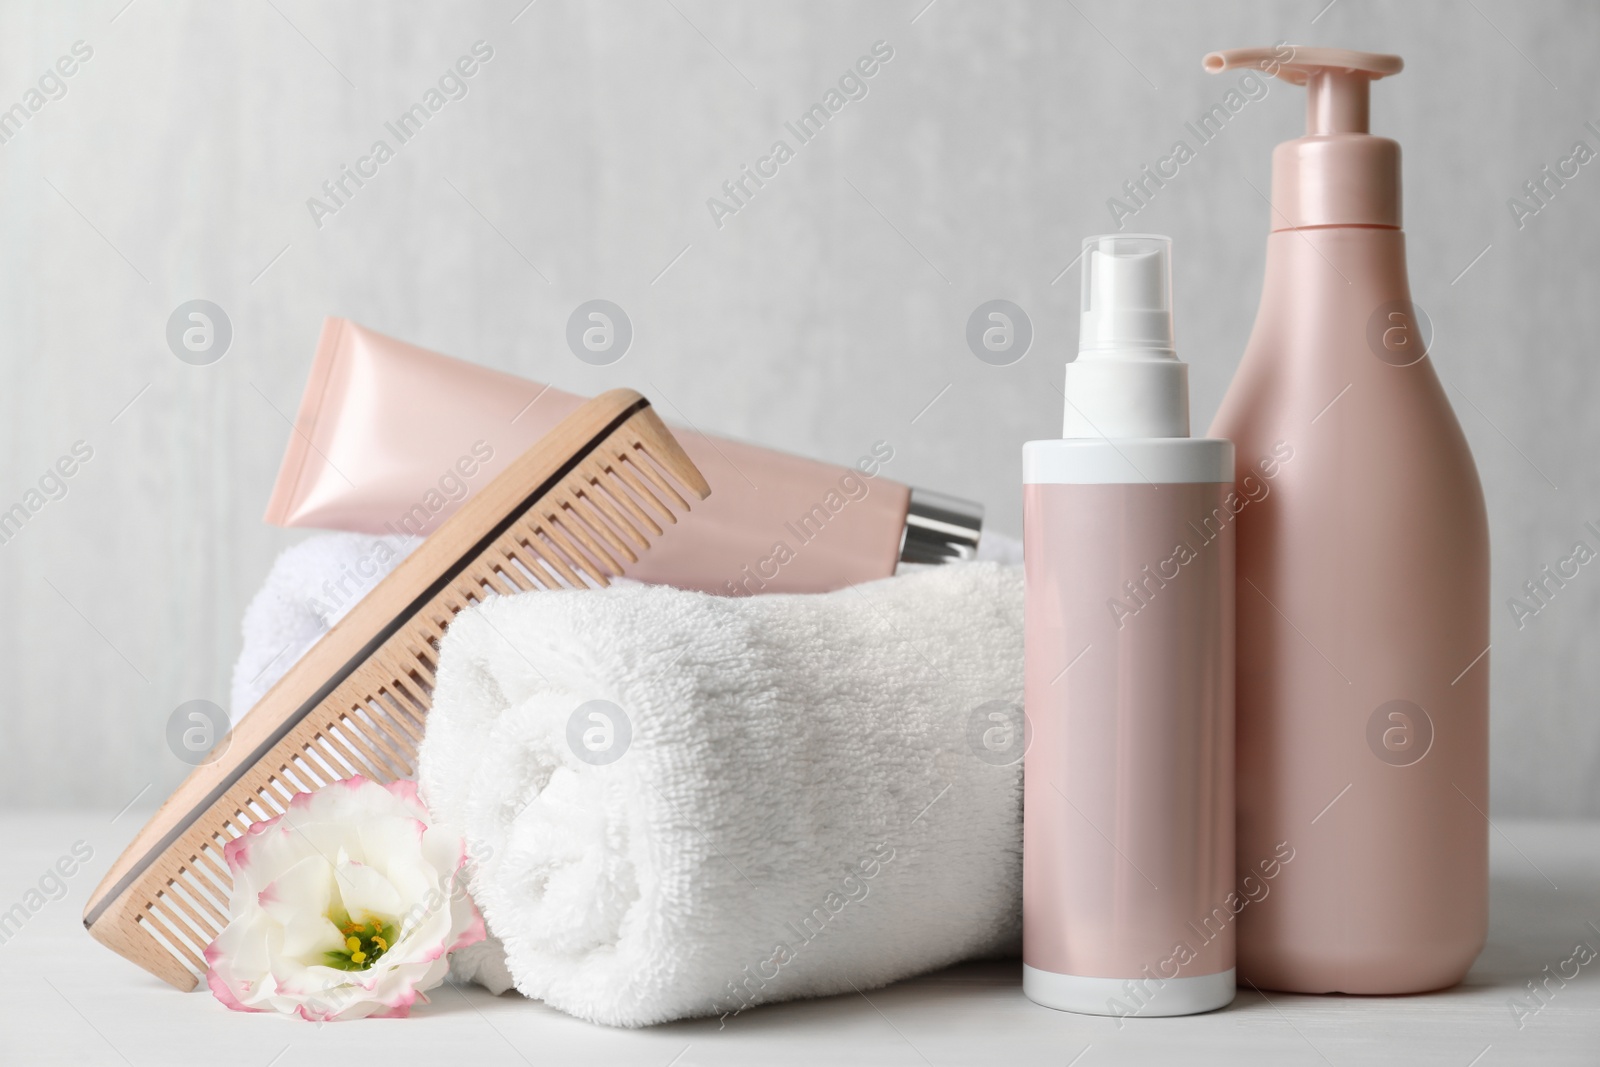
(1329, 300)
(1348, 261)
(1336, 179)
(1125, 398)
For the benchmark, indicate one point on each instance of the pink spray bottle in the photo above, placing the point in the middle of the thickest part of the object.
(1363, 599)
(1129, 906)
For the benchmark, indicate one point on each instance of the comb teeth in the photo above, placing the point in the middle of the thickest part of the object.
(571, 512)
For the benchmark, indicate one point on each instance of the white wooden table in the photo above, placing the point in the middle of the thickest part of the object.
(65, 999)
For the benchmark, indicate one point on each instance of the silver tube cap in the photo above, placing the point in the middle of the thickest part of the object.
(940, 528)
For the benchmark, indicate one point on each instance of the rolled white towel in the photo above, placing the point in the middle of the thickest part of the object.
(781, 796)
(314, 583)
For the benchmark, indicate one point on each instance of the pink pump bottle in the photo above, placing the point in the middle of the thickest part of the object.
(1363, 600)
(1128, 904)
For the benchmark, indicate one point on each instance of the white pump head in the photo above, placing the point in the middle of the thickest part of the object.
(1127, 380)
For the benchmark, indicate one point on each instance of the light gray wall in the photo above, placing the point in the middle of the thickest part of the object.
(824, 315)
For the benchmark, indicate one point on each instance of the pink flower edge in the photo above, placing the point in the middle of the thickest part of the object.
(304, 986)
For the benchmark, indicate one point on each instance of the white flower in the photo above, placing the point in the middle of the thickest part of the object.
(346, 906)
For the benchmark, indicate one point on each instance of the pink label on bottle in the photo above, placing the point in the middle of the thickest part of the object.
(1128, 839)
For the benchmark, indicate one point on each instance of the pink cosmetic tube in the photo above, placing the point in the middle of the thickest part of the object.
(392, 438)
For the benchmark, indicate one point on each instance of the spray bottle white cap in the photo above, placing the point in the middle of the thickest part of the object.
(1127, 381)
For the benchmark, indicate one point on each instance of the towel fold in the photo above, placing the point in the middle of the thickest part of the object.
(688, 805)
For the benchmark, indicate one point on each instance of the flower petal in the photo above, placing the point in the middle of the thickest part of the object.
(355, 851)
(367, 894)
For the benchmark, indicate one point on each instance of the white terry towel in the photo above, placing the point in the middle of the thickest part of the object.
(311, 586)
(314, 583)
(786, 796)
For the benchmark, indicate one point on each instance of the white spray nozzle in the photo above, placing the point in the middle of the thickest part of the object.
(1127, 297)
(1127, 381)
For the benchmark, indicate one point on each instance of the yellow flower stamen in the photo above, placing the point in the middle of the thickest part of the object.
(361, 942)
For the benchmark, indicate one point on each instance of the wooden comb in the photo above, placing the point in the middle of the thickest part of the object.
(571, 511)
